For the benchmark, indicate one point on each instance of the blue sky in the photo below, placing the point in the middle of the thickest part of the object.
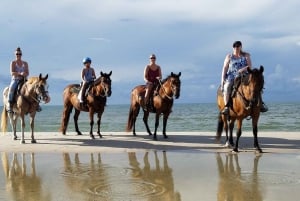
(187, 36)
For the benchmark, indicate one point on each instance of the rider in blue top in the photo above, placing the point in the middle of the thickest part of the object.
(235, 64)
(88, 76)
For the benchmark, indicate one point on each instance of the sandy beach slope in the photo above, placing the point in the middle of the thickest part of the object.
(270, 142)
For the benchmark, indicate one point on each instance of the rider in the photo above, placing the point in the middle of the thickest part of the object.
(88, 76)
(152, 74)
(235, 64)
(19, 71)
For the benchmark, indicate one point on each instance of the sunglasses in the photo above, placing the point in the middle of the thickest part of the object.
(152, 58)
(18, 54)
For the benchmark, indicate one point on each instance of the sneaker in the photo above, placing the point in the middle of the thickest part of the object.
(225, 111)
(264, 108)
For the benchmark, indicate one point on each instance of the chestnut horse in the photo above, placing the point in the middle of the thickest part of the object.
(27, 102)
(246, 103)
(96, 101)
(162, 103)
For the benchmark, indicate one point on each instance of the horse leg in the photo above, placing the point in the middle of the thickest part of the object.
(32, 128)
(238, 135)
(98, 123)
(135, 114)
(13, 122)
(145, 119)
(156, 125)
(76, 115)
(91, 124)
(230, 139)
(165, 120)
(254, 126)
(22, 129)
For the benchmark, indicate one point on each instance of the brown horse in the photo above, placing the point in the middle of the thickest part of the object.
(162, 103)
(27, 102)
(246, 103)
(96, 101)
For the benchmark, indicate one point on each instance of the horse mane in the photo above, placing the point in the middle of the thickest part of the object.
(31, 80)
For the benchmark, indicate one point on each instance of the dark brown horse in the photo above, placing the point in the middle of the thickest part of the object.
(246, 103)
(32, 92)
(162, 103)
(96, 101)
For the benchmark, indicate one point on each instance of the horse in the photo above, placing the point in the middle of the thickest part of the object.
(246, 103)
(162, 103)
(31, 93)
(96, 100)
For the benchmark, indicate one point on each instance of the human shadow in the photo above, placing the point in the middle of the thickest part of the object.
(233, 185)
(23, 185)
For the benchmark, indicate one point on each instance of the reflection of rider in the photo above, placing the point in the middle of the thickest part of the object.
(87, 75)
(19, 71)
(152, 73)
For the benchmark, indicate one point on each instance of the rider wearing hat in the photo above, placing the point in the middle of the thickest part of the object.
(88, 76)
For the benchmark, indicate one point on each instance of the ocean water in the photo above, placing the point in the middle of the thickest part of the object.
(185, 117)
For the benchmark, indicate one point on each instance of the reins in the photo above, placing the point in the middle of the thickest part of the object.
(161, 85)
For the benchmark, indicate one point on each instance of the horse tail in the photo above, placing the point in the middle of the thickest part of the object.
(4, 120)
(66, 110)
(131, 115)
(220, 127)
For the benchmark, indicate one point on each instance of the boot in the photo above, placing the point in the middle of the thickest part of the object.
(10, 107)
(264, 107)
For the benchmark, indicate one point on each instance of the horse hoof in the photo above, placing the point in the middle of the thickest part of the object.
(235, 150)
(15, 138)
(92, 136)
(33, 141)
(79, 133)
(165, 136)
(155, 138)
(22, 142)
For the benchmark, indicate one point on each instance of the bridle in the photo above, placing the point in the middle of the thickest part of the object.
(173, 88)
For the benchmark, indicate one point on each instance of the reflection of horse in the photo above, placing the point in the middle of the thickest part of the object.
(163, 102)
(247, 102)
(233, 185)
(158, 175)
(96, 100)
(22, 185)
(27, 102)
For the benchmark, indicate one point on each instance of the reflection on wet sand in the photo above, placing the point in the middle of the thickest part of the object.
(19, 184)
(235, 186)
(99, 181)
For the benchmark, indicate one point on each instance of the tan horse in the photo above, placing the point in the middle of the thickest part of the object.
(246, 103)
(162, 103)
(96, 101)
(27, 101)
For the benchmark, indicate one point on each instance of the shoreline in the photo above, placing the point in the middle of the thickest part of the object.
(55, 142)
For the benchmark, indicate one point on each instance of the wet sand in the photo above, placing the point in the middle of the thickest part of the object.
(187, 166)
(270, 142)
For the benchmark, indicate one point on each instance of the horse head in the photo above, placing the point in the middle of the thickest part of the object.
(175, 84)
(103, 85)
(41, 88)
(255, 83)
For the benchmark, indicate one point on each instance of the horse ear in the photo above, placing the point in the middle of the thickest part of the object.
(261, 69)
(249, 69)
(101, 73)
(110, 73)
(40, 76)
(46, 77)
(172, 73)
(179, 74)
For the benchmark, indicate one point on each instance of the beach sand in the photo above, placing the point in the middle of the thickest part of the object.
(187, 166)
(270, 142)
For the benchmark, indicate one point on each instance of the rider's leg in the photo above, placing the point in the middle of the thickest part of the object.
(83, 91)
(147, 93)
(226, 95)
(12, 88)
